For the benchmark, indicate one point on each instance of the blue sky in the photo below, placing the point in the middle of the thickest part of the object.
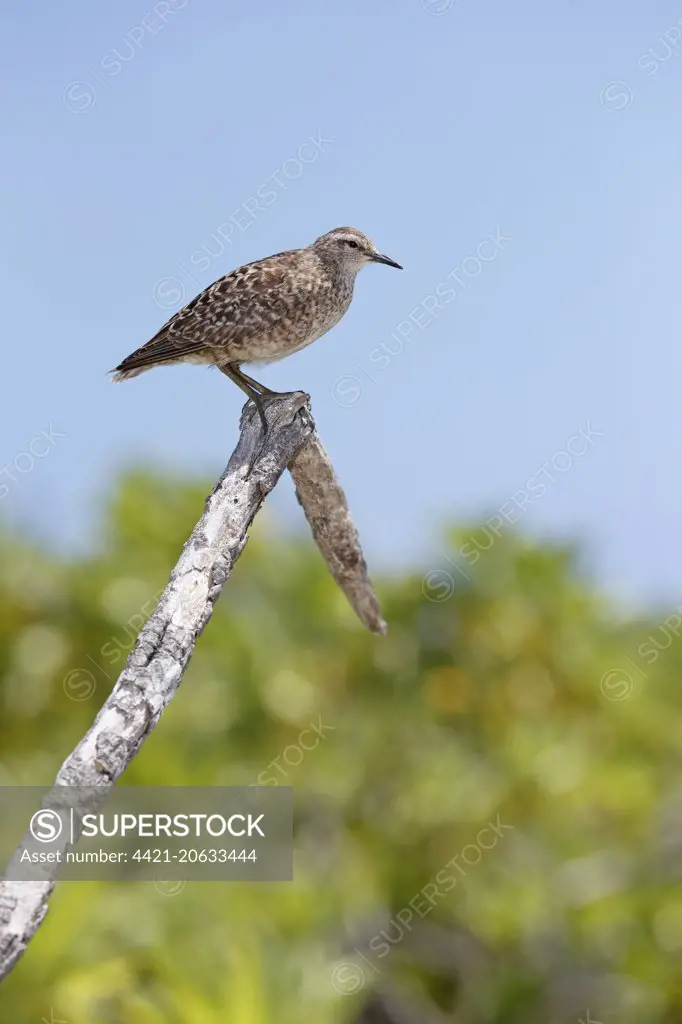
(135, 133)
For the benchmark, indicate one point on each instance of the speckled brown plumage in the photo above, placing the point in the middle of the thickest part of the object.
(262, 311)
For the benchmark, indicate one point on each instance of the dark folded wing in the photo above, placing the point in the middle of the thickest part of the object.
(233, 305)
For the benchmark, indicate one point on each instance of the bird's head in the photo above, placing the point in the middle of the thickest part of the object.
(350, 249)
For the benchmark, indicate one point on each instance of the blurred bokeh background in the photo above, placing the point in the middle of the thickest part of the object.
(489, 828)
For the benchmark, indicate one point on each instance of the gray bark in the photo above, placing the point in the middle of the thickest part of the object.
(156, 664)
(327, 512)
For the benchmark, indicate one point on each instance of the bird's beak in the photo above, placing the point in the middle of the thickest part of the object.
(377, 257)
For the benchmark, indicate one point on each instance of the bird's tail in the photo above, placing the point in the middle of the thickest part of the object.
(160, 351)
(137, 362)
(119, 373)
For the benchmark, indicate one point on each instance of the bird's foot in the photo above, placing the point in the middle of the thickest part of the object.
(259, 402)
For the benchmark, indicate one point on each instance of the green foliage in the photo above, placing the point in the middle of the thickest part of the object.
(487, 831)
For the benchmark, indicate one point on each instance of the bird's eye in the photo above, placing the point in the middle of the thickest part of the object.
(353, 245)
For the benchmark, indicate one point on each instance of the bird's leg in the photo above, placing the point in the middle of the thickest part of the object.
(232, 371)
(249, 386)
(257, 393)
(261, 388)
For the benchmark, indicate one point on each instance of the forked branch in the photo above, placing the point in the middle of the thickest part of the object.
(156, 665)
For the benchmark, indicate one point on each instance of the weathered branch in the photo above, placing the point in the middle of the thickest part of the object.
(326, 509)
(156, 664)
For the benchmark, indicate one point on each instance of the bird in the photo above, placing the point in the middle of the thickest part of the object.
(262, 312)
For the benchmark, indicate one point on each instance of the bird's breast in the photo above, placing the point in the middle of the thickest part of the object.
(304, 324)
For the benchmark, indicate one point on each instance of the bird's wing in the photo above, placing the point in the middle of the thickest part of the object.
(233, 305)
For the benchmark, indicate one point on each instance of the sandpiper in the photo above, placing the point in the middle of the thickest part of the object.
(262, 311)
